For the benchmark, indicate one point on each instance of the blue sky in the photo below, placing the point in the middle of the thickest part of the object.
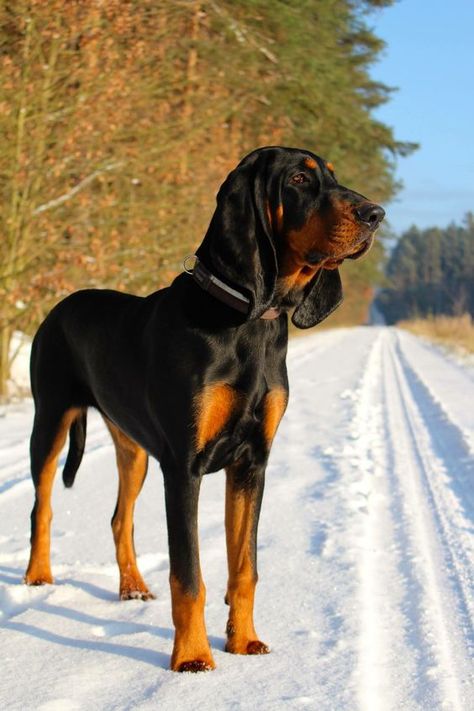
(430, 58)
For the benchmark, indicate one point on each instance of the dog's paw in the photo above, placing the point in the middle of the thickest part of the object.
(38, 579)
(195, 666)
(253, 646)
(257, 647)
(129, 594)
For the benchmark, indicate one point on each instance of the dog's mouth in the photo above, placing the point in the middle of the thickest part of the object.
(363, 248)
(332, 261)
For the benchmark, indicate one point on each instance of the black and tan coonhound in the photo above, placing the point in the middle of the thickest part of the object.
(195, 376)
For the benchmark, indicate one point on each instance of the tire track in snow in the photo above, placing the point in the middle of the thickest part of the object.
(449, 476)
(386, 662)
(415, 582)
(441, 573)
(307, 442)
(373, 682)
(449, 440)
(443, 380)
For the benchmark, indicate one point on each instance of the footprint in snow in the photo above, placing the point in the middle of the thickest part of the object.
(15, 599)
(114, 629)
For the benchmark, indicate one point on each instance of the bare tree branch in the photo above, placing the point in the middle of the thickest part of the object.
(77, 188)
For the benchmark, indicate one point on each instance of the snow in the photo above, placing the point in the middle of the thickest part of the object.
(366, 553)
(20, 348)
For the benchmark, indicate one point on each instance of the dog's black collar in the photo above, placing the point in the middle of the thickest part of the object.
(217, 288)
(225, 293)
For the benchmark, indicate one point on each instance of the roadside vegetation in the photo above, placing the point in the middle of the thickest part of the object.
(453, 331)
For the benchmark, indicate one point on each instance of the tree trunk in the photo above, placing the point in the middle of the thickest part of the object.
(191, 79)
(5, 338)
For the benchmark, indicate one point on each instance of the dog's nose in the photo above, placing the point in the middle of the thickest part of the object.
(370, 214)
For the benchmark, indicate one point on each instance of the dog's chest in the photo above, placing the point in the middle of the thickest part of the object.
(230, 422)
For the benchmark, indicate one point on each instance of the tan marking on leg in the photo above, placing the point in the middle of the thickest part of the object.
(191, 650)
(39, 566)
(239, 526)
(132, 464)
(274, 408)
(214, 406)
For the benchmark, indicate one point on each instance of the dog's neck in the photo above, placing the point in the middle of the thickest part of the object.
(227, 294)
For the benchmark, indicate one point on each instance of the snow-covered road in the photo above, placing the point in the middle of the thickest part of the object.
(366, 554)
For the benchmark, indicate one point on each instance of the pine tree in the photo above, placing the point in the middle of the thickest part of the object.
(431, 272)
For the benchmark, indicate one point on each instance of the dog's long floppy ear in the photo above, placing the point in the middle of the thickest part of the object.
(322, 296)
(238, 246)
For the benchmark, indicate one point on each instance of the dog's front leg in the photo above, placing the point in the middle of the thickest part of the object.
(244, 490)
(191, 651)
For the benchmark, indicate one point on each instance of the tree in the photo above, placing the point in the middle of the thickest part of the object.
(122, 118)
(431, 272)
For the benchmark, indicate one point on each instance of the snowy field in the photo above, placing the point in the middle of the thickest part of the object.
(365, 554)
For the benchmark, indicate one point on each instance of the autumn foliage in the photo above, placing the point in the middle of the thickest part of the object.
(121, 118)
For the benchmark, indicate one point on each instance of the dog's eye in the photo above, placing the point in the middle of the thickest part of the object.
(299, 178)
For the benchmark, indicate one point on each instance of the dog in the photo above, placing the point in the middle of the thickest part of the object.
(195, 376)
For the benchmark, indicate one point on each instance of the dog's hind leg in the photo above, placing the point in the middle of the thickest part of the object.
(132, 463)
(47, 440)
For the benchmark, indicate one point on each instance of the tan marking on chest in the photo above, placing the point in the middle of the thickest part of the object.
(274, 407)
(214, 406)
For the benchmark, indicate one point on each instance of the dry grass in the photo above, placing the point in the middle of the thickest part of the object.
(451, 330)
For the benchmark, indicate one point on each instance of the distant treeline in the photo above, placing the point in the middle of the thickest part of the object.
(121, 118)
(431, 272)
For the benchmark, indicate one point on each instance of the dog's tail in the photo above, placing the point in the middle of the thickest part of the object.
(77, 442)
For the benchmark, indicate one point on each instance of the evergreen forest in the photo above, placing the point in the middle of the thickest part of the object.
(431, 273)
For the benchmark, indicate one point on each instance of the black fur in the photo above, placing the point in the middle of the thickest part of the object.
(145, 362)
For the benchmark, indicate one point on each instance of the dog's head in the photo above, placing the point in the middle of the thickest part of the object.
(282, 226)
